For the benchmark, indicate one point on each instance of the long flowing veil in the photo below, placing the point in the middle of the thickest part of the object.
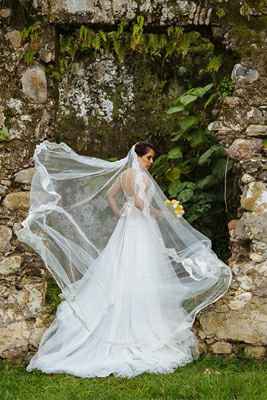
(73, 214)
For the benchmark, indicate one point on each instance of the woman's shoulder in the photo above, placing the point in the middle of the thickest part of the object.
(128, 172)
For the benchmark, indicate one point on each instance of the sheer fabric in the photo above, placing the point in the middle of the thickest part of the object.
(133, 275)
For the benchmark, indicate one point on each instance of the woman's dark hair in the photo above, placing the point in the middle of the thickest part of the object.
(141, 148)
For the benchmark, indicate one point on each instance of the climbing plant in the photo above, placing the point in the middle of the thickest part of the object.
(194, 168)
(30, 36)
(131, 39)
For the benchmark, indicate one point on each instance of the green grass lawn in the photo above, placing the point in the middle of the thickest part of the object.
(209, 378)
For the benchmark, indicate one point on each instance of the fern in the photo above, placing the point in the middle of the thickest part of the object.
(214, 64)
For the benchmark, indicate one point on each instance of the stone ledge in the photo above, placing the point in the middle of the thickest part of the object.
(111, 11)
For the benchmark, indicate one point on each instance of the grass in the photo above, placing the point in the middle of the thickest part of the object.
(209, 378)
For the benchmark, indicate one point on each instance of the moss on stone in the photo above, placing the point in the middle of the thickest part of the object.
(52, 295)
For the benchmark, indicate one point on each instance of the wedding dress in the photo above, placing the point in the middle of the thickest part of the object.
(131, 283)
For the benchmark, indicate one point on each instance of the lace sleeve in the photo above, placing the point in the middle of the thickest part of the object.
(131, 188)
(111, 196)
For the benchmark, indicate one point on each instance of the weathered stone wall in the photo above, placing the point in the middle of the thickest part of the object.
(102, 102)
(238, 322)
(111, 11)
(25, 111)
(99, 103)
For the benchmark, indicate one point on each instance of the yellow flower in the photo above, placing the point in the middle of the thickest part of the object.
(178, 207)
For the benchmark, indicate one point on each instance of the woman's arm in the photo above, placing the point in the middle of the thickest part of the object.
(111, 196)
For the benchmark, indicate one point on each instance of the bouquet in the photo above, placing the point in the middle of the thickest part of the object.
(178, 207)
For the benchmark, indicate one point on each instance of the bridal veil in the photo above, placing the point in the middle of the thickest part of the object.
(72, 216)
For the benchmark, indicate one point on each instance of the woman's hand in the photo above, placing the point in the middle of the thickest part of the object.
(156, 212)
(118, 213)
(139, 203)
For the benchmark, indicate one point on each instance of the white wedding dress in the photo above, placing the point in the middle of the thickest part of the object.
(132, 304)
(132, 288)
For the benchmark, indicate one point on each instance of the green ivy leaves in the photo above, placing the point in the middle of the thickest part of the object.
(196, 163)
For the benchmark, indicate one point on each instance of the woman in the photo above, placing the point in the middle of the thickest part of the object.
(133, 274)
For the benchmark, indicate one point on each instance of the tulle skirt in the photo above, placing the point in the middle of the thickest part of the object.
(131, 304)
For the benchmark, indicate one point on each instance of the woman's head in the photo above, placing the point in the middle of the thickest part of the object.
(146, 153)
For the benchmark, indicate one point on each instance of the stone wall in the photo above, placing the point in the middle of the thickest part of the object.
(99, 102)
(238, 322)
(111, 11)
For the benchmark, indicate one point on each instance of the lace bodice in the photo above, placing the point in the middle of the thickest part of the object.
(137, 189)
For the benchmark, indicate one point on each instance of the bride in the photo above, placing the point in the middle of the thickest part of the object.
(133, 273)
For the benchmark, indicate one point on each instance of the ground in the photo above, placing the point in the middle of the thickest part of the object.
(208, 378)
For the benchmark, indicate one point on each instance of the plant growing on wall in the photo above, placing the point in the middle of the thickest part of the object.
(192, 171)
(4, 134)
(30, 36)
(131, 39)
